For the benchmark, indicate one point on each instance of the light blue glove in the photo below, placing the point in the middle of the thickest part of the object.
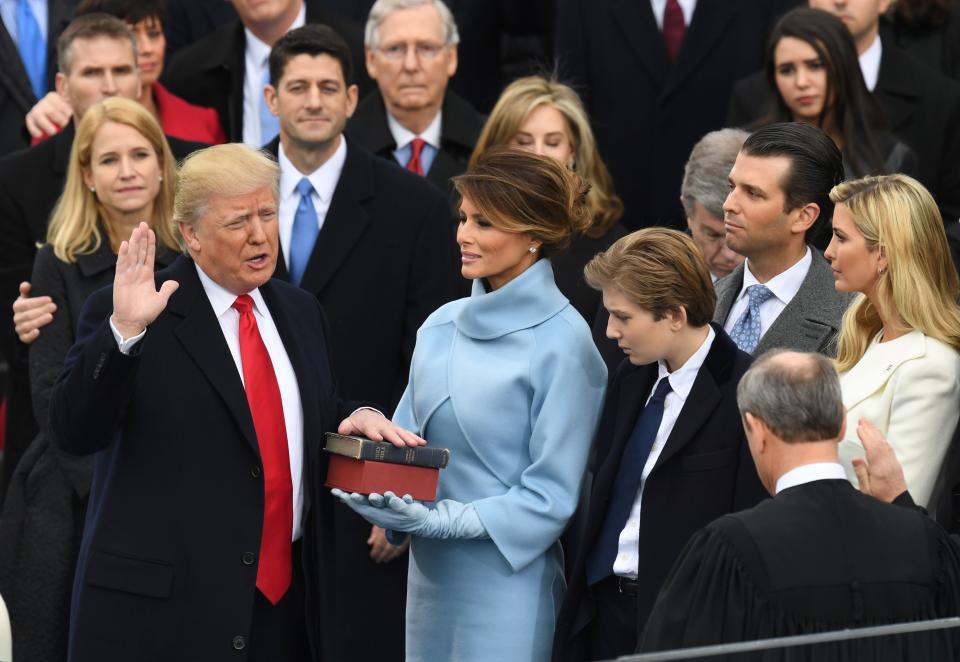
(450, 519)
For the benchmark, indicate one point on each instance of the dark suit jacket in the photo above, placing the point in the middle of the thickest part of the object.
(210, 72)
(922, 108)
(809, 323)
(383, 261)
(188, 21)
(460, 127)
(648, 113)
(818, 557)
(178, 490)
(16, 94)
(704, 471)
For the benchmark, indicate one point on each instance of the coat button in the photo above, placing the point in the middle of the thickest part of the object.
(239, 643)
(248, 558)
(255, 472)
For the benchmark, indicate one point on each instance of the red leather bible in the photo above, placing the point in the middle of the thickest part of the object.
(367, 476)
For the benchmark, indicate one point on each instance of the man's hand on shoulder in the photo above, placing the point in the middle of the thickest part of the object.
(30, 314)
(48, 116)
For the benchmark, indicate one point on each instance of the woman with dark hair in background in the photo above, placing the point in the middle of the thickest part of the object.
(812, 66)
(177, 117)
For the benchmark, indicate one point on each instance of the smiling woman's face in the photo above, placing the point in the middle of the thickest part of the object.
(488, 252)
(124, 170)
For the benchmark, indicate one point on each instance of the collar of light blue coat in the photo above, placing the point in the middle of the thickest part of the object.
(527, 300)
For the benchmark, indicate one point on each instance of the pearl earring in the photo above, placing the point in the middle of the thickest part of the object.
(93, 189)
(533, 249)
(159, 178)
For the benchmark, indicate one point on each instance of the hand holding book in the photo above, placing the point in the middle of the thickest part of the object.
(450, 519)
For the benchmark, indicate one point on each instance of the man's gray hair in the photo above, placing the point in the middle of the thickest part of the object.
(383, 8)
(706, 175)
(796, 394)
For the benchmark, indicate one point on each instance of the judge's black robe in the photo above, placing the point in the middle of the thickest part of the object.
(819, 557)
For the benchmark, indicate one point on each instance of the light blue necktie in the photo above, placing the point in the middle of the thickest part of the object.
(746, 332)
(33, 47)
(269, 125)
(305, 231)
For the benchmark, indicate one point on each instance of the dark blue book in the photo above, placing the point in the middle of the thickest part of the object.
(360, 448)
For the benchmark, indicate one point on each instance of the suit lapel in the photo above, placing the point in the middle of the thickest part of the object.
(345, 222)
(638, 26)
(709, 22)
(896, 90)
(199, 333)
(13, 75)
(802, 324)
(703, 398)
(727, 290)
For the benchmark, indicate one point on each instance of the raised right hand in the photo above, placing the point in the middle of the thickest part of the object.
(30, 314)
(136, 301)
(48, 116)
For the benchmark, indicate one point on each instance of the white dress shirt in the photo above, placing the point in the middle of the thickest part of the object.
(8, 12)
(808, 473)
(681, 381)
(870, 63)
(256, 62)
(403, 137)
(784, 287)
(229, 318)
(659, 6)
(324, 180)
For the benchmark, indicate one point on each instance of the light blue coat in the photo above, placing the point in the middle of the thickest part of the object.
(512, 383)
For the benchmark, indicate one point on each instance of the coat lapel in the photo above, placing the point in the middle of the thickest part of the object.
(710, 20)
(896, 90)
(638, 26)
(199, 333)
(727, 290)
(13, 75)
(344, 224)
(871, 373)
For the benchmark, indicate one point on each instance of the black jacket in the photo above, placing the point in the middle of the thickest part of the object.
(704, 471)
(210, 72)
(460, 127)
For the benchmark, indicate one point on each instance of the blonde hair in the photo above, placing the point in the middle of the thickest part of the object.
(222, 170)
(73, 228)
(659, 270)
(521, 192)
(522, 97)
(897, 215)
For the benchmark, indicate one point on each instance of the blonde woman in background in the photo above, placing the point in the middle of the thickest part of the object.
(899, 345)
(544, 116)
(120, 172)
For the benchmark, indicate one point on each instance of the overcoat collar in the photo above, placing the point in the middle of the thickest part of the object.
(102, 259)
(527, 300)
(871, 373)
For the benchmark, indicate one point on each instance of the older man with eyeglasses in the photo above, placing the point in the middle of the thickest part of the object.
(411, 53)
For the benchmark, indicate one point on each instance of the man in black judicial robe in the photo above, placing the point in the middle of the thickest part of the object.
(820, 555)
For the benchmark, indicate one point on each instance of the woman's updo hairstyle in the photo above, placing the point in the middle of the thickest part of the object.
(521, 192)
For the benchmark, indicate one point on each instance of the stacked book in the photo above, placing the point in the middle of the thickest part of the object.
(365, 466)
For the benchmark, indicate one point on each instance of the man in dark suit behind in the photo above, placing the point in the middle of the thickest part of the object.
(18, 92)
(204, 394)
(414, 118)
(98, 60)
(372, 243)
(921, 105)
(227, 69)
(669, 456)
(782, 294)
(656, 77)
(820, 555)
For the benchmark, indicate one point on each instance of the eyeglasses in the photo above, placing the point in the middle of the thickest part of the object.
(425, 51)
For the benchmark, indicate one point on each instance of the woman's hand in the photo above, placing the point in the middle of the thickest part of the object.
(388, 511)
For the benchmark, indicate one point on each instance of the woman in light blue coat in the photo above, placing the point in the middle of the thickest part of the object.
(509, 379)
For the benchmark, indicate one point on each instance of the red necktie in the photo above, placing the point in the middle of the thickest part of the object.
(673, 28)
(263, 395)
(416, 148)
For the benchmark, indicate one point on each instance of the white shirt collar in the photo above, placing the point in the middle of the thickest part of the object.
(222, 299)
(403, 136)
(784, 285)
(870, 63)
(808, 473)
(687, 6)
(258, 51)
(324, 178)
(681, 379)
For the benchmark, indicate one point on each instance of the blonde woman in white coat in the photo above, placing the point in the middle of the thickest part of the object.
(899, 347)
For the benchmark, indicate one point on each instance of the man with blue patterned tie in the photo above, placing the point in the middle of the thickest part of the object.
(670, 454)
(783, 294)
(372, 242)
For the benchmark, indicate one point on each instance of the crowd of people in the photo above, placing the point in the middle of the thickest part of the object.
(709, 259)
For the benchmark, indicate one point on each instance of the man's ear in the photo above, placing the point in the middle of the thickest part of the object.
(678, 318)
(270, 96)
(353, 96)
(60, 85)
(806, 216)
(452, 61)
(189, 234)
(370, 58)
